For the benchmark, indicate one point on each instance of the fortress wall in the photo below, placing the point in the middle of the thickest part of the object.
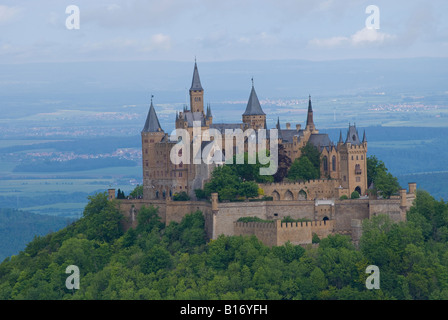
(130, 209)
(230, 212)
(168, 210)
(390, 207)
(278, 233)
(266, 232)
(302, 232)
(176, 210)
(295, 209)
(346, 210)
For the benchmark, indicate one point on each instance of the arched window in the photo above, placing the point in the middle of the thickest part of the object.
(333, 163)
(325, 163)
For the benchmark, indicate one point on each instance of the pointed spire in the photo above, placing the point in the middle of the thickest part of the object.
(310, 108)
(309, 119)
(280, 136)
(364, 137)
(340, 137)
(196, 82)
(253, 105)
(209, 111)
(152, 123)
(177, 116)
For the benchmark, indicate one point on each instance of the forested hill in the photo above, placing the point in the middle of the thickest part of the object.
(17, 228)
(155, 261)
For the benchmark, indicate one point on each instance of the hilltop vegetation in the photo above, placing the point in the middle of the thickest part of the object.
(155, 261)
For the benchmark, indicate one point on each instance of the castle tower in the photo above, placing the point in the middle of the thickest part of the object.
(152, 134)
(353, 162)
(254, 117)
(196, 92)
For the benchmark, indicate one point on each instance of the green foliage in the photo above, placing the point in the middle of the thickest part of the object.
(175, 261)
(383, 180)
(251, 172)
(120, 194)
(343, 197)
(354, 195)
(303, 169)
(200, 194)
(253, 219)
(137, 192)
(183, 196)
(229, 185)
(289, 219)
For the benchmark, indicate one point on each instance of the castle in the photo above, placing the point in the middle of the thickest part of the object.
(343, 170)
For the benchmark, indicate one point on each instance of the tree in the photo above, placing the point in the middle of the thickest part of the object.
(383, 180)
(137, 192)
(148, 218)
(313, 154)
(226, 182)
(183, 196)
(284, 162)
(354, 195)
(302, 169)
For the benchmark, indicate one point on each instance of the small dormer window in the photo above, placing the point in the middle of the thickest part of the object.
(354, 138)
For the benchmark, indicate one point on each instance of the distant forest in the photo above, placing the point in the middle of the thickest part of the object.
(17, 228)
(72, 165)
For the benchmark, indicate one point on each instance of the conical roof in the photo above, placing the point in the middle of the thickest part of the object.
(253, 105)
(196, 82)
(152, 123)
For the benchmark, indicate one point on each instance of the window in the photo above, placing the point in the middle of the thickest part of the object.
(358, 169)
(333, 163)
(325, 163)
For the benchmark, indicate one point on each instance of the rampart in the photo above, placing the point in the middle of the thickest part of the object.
(276, 233)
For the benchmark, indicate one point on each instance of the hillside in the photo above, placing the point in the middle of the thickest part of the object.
(155, 261)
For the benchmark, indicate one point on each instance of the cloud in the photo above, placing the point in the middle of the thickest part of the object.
(362, 37)
(159, 41)
(8, 13)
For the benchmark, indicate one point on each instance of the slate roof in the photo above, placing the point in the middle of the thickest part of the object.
(253, 105)
(352, 136)
(152, 123)
(196, 82)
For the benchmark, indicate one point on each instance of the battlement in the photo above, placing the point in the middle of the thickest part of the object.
(305, 224)
(277, 233)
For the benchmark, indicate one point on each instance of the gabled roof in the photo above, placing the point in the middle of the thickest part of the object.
(152, 123)
(196, 82)
(253, 105)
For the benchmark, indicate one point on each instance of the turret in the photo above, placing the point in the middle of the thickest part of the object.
(196, 92)
(253, 116)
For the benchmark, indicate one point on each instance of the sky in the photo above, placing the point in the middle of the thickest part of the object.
(223, 30)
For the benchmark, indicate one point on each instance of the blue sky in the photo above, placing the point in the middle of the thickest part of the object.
(35, 31)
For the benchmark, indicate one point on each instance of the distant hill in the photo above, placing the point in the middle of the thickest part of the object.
(17, 228)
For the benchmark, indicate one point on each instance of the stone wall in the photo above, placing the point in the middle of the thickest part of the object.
(277, 233)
